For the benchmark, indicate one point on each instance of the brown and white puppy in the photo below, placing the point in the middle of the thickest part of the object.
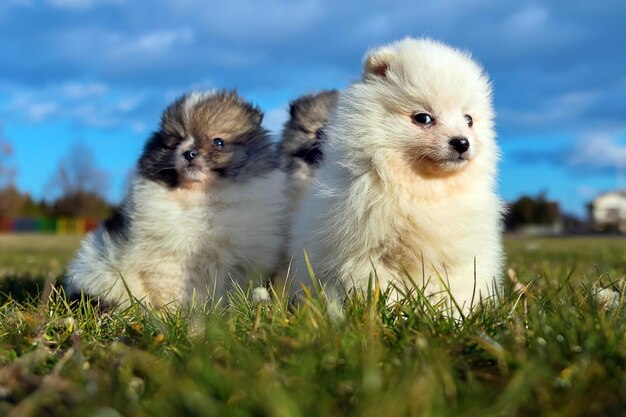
(205, 205)
(408, 185)
(302, 139)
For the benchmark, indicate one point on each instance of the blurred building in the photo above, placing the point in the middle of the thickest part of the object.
(608, 211)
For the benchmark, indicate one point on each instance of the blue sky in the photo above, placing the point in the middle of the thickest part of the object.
(101, 71)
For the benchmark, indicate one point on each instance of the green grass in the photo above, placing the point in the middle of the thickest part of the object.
(27, 261)
(551, 350)
(35, 255)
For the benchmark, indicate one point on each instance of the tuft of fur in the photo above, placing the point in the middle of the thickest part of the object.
(191, 221)
(301, 140)
(394, 198)
(300, 148)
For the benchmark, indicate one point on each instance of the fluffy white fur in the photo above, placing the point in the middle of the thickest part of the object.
(184, 242)
(392, 196)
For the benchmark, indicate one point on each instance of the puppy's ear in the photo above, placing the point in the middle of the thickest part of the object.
(293, 108)
(377, 63)
(255, 114)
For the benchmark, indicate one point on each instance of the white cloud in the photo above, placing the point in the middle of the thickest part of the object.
(79, 4)
(87, 104)
(556, 111)
(30, 108)
(378, 25)
(40, 111)
(129, 103)
(256, 21)
(79, 91)
(148, 44)
(139, 127)
(528, 20)
(162, 39)
(599, 151)
(94, 49)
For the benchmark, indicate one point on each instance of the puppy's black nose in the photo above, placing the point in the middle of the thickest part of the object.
(190, 154)
(459, 144)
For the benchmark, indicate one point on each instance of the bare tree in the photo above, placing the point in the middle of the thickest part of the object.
(80, 184)
(78, 172)
(7, 172)
(11, 200)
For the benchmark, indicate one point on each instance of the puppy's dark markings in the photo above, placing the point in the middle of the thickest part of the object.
(302, 137)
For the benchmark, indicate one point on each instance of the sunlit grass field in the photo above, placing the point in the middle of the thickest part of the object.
(551, 346)
(35, 255)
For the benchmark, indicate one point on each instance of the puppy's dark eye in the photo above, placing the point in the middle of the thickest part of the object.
(319, 133)
(469, 120)
(422, 118)
(218, 143)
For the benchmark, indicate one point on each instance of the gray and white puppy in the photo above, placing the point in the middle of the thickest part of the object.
(301, 141)
(205, 204)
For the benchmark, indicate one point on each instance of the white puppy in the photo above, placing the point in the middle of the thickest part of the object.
(407, 188)
(206, 204)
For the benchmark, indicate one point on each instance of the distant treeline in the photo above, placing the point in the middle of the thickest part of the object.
(75, 204)
(532, 210)
(72, 214)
